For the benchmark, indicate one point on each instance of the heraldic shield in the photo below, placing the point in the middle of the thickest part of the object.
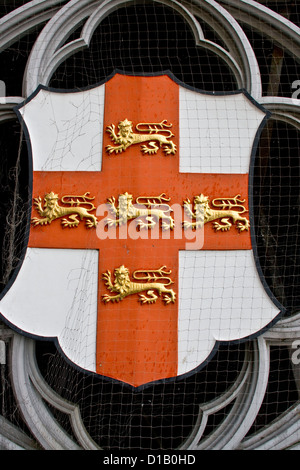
(140, 257)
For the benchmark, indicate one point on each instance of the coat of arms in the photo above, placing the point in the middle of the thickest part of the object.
(113, 269)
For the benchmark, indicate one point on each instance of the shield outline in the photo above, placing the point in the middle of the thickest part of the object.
(277, 304)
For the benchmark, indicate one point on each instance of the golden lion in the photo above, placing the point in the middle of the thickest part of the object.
(203, 213)
(51, 210)
(127, 211)
(126, 137)
(124, 287)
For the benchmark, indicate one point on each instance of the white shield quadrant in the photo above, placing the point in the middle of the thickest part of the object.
(222, 299)
(217, 132)
(65, 129)
(55, 296)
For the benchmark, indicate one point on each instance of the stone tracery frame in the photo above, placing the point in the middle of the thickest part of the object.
(50, 50)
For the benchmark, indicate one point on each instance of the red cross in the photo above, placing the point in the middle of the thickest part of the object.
(137, 343)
